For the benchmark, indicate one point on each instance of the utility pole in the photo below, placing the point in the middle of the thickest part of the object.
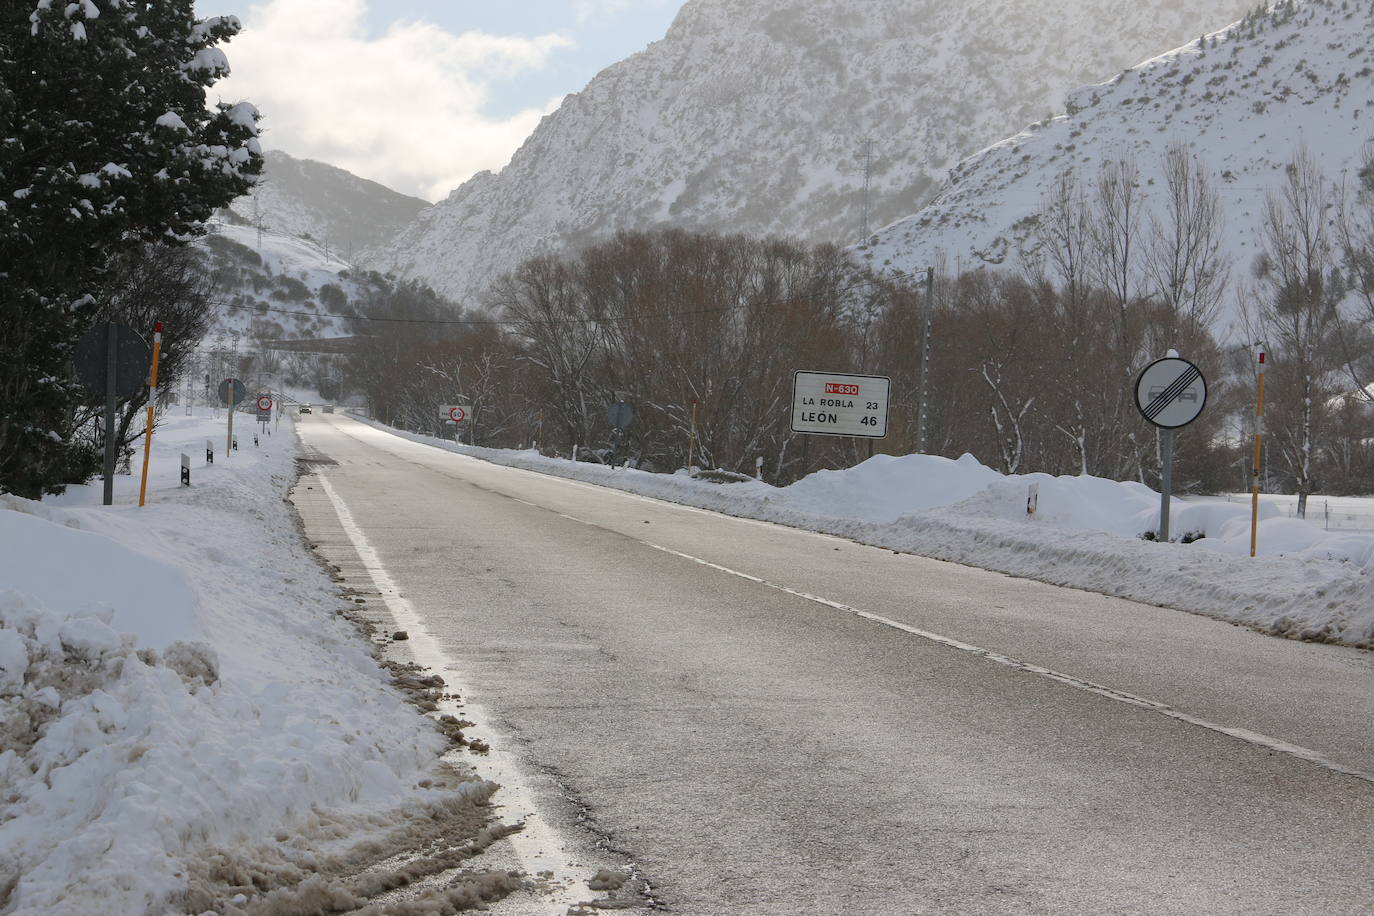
(927, 311)
(868, 160)
(257, 222)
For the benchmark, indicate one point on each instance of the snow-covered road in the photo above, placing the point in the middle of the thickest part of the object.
(766, 720)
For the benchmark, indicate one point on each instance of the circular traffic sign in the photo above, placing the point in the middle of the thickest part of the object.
(1171, 392)
(231, 391)
(457, 414)
(264, 403)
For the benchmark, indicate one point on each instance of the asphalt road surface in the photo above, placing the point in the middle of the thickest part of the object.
(768, 721)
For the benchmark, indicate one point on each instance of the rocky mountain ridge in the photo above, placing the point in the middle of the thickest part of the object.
(750, 116)
(1242, 103)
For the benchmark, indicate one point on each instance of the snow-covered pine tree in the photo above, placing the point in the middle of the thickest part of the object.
(106, 143)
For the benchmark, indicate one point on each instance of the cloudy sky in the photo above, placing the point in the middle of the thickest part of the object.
(421, 94)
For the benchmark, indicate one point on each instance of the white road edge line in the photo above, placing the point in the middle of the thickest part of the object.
(538, 845)
(1255, 738)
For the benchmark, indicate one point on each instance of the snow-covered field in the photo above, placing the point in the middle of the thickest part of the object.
(1307, 582)
(186, 721)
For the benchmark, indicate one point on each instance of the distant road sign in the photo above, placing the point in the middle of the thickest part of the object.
(833, 404)
(264, 403)
(620, 414)
(231, 391)
(133, 359)
(1171, 393)
(455, 413)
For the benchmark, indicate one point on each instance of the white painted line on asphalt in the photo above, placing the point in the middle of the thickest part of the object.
(1255, 738)
(538, 846)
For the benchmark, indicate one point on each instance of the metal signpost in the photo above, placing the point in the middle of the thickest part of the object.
(619, 414)
(112, 361)
(231, 391)
(1170, 393)
(833, 404)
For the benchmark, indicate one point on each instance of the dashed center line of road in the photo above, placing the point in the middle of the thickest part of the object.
(1258, 739)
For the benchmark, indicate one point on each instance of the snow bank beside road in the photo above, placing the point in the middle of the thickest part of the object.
(175, 681)
(1307, 583)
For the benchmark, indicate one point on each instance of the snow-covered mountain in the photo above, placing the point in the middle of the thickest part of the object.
(750, 116)
(321, 203)
(273, 286)
(1302, 75)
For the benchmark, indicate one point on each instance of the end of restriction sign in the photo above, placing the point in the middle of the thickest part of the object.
(1171, 392)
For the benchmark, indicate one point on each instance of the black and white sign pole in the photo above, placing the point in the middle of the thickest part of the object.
(1170, 393)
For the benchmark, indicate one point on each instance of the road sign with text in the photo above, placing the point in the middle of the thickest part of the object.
(833, 404)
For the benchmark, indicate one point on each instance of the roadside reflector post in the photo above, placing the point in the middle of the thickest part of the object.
(1033, 499)
(236, 443)
(152, 403)
(185, 469)
(209, 452)
(1255, 465)
(758, 468)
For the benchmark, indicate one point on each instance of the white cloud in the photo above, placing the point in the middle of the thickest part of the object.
(404, 108)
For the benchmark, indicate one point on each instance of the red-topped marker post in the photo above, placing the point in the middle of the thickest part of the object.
(152, 405)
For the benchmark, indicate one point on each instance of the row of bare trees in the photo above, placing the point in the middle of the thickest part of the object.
(1031, 369)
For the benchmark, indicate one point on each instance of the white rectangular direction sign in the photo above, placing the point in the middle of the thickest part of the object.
(833, 404)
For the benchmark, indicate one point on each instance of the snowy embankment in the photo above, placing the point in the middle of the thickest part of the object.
(180, 701)
(1306, 583)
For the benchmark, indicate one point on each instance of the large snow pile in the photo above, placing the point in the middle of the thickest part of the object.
(1087, 533)
(175, 682)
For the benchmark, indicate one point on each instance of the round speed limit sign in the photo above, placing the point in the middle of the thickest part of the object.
(457, 414)
(264, 403)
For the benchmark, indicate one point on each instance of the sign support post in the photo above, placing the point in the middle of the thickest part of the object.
(1258, 460)
(152, 403)
(692, 438)
(231, 391)
(111, 383)
(1166, 454)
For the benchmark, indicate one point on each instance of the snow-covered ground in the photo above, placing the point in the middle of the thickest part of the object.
(186, 721)
(1306, 582)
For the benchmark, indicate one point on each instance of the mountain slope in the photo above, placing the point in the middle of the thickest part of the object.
(276, 286)
(327, 205)
(749, 117)
(1301, 76)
